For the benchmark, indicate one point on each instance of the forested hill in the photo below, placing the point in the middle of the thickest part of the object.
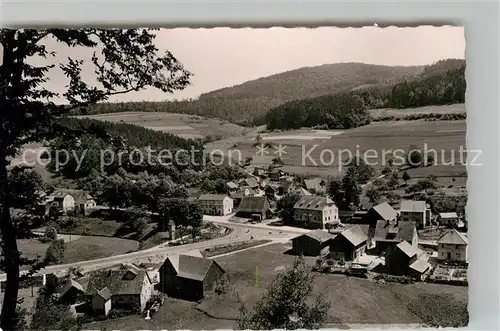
(248, 103)
(314, 81)
(440, 84)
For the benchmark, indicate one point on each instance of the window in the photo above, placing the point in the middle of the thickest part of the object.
(457, 246)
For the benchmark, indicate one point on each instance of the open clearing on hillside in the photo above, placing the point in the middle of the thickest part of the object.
(377, 142)
(401, 113)
(353, 300)
(183, 125)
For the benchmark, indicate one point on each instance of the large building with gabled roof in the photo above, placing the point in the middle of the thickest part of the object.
(315, 212)
(189, 277)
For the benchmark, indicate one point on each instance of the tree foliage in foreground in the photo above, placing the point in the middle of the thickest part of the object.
(287, 303)
(123, 61)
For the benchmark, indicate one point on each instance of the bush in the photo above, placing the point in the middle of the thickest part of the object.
(51, 233)
(55, 252)
(122, 312)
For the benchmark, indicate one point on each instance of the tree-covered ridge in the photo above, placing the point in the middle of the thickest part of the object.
(134, 135)
(314, 81)
(105, 146)
(248, 102)
(440, 84)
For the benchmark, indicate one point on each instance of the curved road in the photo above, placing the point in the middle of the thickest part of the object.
(241, 233)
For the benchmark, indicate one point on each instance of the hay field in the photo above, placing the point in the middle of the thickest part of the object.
(378, 141)
(183, 125)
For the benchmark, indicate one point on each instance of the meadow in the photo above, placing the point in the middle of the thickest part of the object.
(183, 125)
(353, 300)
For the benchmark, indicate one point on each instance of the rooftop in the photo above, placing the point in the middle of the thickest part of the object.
(453, 237)
(448, 215)
(212, 197)
(355, 235)
(318, 235)
(413, 206)
(313, 202)
(192, 267)
(408, 249)
(385, 211)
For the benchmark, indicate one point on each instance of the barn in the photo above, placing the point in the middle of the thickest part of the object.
(312, 243)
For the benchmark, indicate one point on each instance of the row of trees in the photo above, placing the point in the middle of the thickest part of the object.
(88, 145)
(336, 111)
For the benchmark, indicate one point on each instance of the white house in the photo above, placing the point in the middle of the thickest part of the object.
(416, 211)
(215, 204)
(315, 212)
(452, 246)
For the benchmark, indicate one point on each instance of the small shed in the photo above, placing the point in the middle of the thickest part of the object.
(448, 219)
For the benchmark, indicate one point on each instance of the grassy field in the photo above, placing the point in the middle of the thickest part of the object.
(384, 139)
(81, 248)
(183, 125)
(353, 300)
(401, 113)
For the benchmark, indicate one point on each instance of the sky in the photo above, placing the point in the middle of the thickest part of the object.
(222, 57)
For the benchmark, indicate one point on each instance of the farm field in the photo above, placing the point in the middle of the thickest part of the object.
(354, 300)
(401, 113)
(384, 139)
(183, 125)
(80, 248)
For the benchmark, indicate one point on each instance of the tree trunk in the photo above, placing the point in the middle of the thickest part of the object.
(10, 252)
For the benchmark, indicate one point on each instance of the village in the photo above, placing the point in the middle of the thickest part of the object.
(377, 243)
(326, 192)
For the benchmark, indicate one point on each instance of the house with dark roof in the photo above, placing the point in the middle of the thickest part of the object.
(215, 204)
(257, 208)
(350, 243)
(276, 173)
(264, 182)
(382, 211)
(126, 288)
(415, 211)
(259, 171)
(271, 191)
(388, 234)
(448, 219)
(315, 212)
(313, 243)
(250, 182)
(301, 192)
(189, 277)
(405, 259)
(286, 186)
(69, 200)
(452, 246)
(69, 291)
(316, 185)
(232, 187)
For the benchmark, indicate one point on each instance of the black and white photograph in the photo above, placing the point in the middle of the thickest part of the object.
(233, 178)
